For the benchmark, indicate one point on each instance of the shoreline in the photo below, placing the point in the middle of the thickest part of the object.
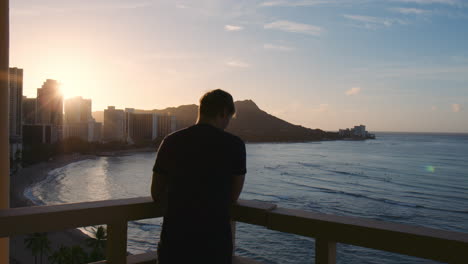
(29, 176)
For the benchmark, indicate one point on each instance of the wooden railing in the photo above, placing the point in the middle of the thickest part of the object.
(440, 245)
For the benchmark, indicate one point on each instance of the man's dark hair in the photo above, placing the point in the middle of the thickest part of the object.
(215, 103)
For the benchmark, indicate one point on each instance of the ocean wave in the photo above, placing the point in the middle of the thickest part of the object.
(377, 199)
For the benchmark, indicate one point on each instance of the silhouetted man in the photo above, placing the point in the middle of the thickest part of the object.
(199, 172)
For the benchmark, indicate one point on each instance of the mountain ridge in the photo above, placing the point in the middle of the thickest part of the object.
(250, 123)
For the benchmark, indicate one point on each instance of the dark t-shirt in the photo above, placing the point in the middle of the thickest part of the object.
(199, 164)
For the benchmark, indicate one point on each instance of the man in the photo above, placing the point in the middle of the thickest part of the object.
(198, 174)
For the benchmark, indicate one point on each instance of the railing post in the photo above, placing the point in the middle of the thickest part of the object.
(233, 232)
(117, 243)
(4, 121)
(325, 251)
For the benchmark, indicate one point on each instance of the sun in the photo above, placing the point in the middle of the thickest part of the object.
(74, 76)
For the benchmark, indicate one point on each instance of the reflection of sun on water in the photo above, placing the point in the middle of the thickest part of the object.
(98, 186)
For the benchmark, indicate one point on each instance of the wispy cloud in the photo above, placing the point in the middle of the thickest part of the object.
(456, 108)
(237, 64)
(233, 28)
(374, 22)
(295, 3)
(425, 2)
(269, 46)
(353, 91)
(289, 26)
(172, 56)
(411, 11)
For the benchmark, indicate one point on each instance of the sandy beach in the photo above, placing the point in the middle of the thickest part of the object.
(31, 175)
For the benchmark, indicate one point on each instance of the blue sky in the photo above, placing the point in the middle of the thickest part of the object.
(394, 65)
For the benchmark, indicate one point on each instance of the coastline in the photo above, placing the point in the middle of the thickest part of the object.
(29, 176)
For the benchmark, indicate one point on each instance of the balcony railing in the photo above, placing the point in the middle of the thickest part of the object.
(440, 245)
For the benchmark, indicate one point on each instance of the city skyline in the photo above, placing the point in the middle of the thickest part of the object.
(392, 65)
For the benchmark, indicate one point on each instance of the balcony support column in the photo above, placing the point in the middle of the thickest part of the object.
(325, 251)
(117, 243)
(4, 121)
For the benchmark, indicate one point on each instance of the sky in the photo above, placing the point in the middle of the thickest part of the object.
(392, 65)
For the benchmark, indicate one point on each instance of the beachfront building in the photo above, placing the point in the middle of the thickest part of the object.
(359, 131)
(143, 126)
(34, 134)
(49, 107)
(114, 124)
(15, 77)
(79, 122)
(166, 124)
(77, 110)
(28, 110)
(49, 104)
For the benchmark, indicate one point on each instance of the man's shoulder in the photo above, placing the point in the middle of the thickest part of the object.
(233, 138)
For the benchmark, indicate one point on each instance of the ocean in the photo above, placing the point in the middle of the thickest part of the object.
(410, 178)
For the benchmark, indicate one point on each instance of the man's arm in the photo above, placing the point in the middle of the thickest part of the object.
(158, 187)
(237, 185)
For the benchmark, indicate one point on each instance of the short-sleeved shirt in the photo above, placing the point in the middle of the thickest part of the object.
(199, 164)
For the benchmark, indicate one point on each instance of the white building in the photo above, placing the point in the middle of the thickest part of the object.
(359, 131)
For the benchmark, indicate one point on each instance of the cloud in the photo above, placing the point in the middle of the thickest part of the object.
(374, 22)
(237, 64)
(456, 108)
(268, 46)
(233, 28)
(295, 3)
(426, 2)
(289, 26)
(353, 91)
(411, 11)
(172, 55)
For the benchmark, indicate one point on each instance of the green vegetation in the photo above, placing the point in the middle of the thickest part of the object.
(39, 244)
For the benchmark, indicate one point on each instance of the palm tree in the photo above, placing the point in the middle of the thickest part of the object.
(97, 243)
(39, 244)
(32, 243)
(61, 256)
(77, 255)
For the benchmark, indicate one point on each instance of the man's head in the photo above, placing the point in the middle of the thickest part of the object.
(217, 108)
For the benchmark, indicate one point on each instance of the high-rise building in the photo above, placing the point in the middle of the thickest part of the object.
(15, 78)
(138, 126)
(79, 122)
(39, 134)
(142, 126)
(165, 124)
(49, 105)
(29, 110)
(114, 127)
(94, 131)
(77, 110)
(16, 97)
